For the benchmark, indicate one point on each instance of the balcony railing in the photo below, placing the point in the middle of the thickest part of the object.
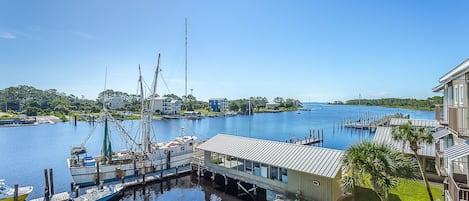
(458, 191)
(458, 120)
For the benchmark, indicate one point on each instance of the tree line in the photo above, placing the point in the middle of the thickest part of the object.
(408, 103)
(33, 102)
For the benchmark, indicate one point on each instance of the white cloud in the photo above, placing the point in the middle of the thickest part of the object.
(84, 35)
(7, 35)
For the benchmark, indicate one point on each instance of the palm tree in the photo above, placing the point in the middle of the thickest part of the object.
(414, 136)
(383, 164)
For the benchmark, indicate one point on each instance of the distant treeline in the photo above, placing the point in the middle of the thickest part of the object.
(407, 103)
(33, 102)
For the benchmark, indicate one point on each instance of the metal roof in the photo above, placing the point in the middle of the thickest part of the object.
(441, 133)
(460, 69)
(415, 122)
(438, 88)
(313, 160)
(458, 151)
(384, 135)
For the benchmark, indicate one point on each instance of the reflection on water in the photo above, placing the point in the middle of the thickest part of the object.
(185, 188)
(26, 151)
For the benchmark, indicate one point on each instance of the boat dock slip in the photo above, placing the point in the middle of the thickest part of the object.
(261, 168)
(370, 122)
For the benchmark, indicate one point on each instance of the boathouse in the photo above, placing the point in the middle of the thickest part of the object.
(282, 169)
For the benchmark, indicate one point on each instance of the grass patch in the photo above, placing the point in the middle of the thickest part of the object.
(406, 190)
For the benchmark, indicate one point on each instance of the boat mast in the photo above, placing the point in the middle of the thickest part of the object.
(185, 60)
(143, 113)
(152, 107)
(106, 150)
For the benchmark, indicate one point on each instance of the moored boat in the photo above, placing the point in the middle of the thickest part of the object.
(104, 194)
(145, 156)
(7, 193)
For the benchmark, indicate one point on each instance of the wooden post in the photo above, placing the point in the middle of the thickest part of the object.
(15, 195)
(77, 191)
(161, 172)
(51, 175)
(71, 186)
(75, 120)
(46, 188)
(135, 168)
(97, 173)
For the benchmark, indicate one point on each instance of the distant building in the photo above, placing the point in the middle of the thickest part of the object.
(116, 102)
(167, 105)
(218, 104)
(272, 105)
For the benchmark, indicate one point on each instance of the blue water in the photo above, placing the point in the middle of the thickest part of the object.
(26, 151)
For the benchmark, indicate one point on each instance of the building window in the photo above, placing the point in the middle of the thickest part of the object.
(264, 171)
(257, 168)
(240, 165)
(274, 173)
(461, 95)
(430, 165)
(455, 95)
(249, 167)
(216, 158)
(284, 175)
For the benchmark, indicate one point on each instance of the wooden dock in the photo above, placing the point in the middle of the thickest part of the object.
(313, 139)
(309, 141)
(143, 179)
(370, 123)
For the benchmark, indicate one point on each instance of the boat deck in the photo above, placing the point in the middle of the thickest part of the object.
(56, 197)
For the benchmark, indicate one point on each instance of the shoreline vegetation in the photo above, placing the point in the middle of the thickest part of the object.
(17, 102)
(403, 103)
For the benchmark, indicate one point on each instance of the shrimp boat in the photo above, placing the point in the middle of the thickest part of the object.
(144, 157)
(7, 193)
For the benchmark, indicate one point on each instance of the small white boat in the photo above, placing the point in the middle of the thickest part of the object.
(104, 194)
(7, 193)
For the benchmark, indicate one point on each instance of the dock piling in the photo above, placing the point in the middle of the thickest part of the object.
(72, 184)
(46, 188)
(15, 196)
(77, 191)
(51, 175)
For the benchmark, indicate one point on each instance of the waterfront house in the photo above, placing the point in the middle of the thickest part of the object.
(116, 102)
(272, 105)
(291, 170)
(218, 104)
(452, 145)
(167, 105)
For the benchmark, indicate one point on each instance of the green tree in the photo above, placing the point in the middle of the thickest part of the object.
(414, 137)
(383, 164)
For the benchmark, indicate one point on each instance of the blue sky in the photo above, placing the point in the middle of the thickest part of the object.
(307, 50)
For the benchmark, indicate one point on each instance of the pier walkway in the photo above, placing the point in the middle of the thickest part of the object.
(368, 123)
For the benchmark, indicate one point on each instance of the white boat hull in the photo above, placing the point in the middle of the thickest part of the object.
(87, 175)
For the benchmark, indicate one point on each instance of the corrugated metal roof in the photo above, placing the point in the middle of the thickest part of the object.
(313, 160)
(441, 133)
(458, 151)
(384, 135)
(415, 122)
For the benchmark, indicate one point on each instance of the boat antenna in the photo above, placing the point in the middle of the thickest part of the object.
(104, 92)
(185, 60)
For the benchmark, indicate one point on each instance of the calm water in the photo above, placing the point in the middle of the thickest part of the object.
(26, 151)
